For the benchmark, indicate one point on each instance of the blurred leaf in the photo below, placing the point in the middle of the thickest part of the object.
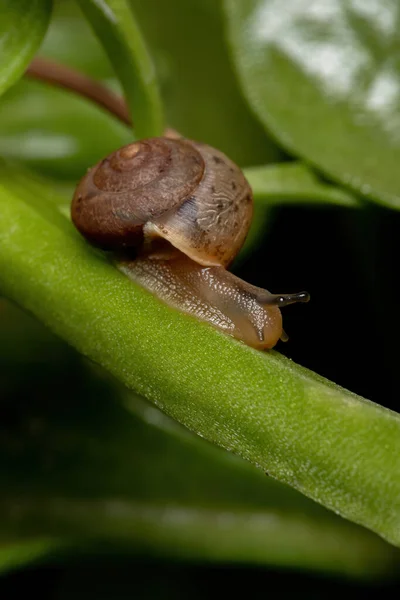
(330, 444)
(116, 27)
(22, 27)
(294, 182)
(201, 95)
(51, 130)
(87, 461)
(15, 554)
(324, 78)
(56, 132)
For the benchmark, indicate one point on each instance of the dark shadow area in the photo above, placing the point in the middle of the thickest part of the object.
(172, 581)
(348, 261)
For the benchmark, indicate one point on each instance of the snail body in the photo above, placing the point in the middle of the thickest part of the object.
(185, 209)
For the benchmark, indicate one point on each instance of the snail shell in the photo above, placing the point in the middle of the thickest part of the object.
(185, 192)
(186, 208)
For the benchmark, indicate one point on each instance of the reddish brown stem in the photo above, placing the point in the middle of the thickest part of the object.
(58, 74)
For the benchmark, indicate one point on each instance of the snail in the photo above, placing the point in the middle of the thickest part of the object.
(176, 212)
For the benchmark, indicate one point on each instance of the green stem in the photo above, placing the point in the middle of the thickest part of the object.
(114, 23)
(333, 446)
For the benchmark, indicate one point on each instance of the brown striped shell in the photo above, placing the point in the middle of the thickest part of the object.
(185, 192)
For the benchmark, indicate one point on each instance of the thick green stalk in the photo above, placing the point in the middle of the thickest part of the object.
(335, 447)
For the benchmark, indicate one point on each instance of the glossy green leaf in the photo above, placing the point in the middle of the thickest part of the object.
(22, 27)
(201, 94)
(95, 466)
(294, 182)
(117, 29)
(323, 77)
(330, 444)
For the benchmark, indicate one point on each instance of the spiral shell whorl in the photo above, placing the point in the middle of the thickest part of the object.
(185, 192)
(131, 186)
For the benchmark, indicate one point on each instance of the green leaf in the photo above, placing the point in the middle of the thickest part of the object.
(295, 182)
(116, 27)
(16, 554)
(22, 27)
(335, 447)
(324, 79)
(96, 465)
